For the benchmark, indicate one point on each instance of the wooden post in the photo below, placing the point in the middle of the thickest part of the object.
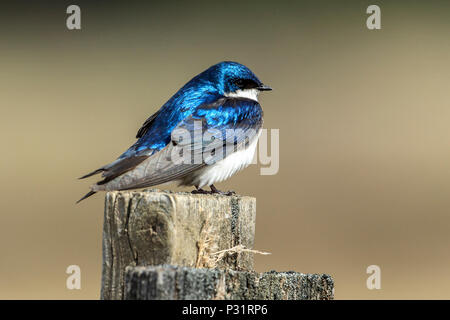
(165, 245)
(182, 283)
(153, 227)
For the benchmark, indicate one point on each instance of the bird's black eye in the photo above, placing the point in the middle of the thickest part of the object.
(245, 83)
(240, 83)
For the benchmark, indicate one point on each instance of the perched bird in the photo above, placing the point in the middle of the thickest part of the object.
(220, 100)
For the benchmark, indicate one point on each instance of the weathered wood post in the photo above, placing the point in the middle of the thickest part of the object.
(165, 245)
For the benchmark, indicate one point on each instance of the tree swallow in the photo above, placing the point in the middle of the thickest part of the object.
(195, 124)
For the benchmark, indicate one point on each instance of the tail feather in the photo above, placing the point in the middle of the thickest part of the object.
(92, 173)
(87, 195)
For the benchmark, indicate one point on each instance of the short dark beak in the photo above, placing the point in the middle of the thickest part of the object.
(264, 88)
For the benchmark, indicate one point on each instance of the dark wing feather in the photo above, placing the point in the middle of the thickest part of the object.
(120, 166)
(116, 168)
(92, 173)
(143, 130)
(124, 164)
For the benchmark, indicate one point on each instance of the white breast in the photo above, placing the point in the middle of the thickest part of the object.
(224, 168)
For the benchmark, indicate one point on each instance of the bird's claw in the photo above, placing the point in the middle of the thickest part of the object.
(225, 193)
(200, 191)
(213, 191)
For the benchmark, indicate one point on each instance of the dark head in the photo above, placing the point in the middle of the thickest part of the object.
(233, 79)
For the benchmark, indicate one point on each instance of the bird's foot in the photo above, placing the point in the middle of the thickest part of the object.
(225, 193)
(200, 191)
(214, 190)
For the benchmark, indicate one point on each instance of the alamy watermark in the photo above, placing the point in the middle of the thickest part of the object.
(373, 22)
(199, 146)
(374, 280)
(73, 22)
(73, 281)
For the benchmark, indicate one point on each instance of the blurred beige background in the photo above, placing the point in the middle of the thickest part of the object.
(363, 116)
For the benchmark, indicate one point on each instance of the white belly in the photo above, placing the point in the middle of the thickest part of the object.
(225, 168)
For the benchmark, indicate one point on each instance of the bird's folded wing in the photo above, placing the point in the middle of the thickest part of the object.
(211, 133)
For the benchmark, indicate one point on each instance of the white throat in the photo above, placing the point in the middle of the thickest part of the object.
(246, 93)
